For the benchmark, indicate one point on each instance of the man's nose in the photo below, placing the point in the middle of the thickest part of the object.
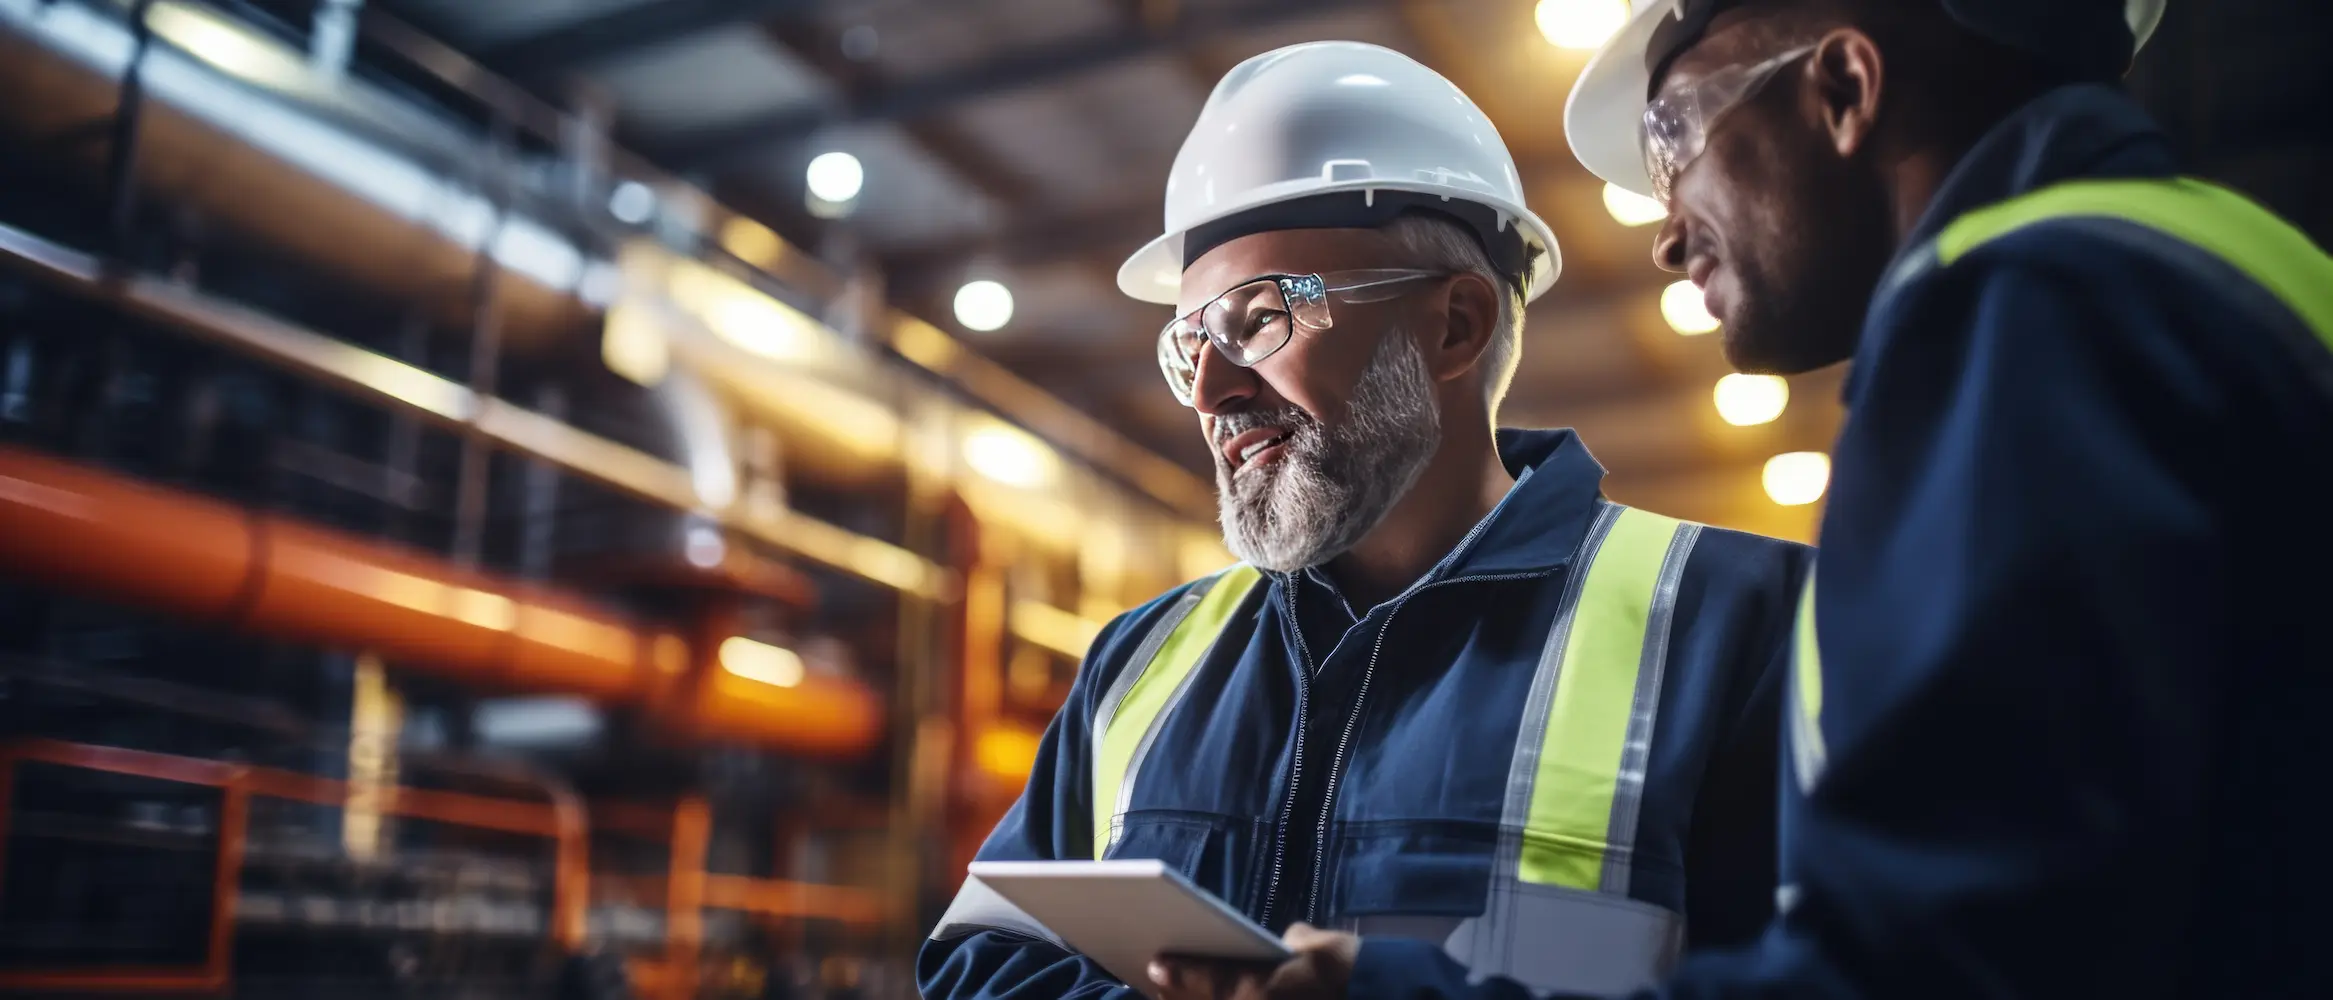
(1221, 385)
(1669, 244)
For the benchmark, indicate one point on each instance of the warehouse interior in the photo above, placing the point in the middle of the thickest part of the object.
(601, 497)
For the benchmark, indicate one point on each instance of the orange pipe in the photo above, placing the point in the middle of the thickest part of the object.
(113, 537)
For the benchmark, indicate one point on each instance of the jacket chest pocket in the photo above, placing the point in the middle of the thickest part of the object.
(1214, 852)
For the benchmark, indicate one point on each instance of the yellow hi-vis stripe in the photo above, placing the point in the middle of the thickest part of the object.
(1808, 657)
(1115, 747)
(1587, 723)
(2215, 219)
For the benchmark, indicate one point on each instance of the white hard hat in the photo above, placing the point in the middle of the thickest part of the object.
(1297, 136)
(1605, 117)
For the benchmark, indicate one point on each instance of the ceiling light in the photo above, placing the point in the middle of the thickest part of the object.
(1747, 400)
(1632, 209)
(835, 177)
(1685, 309)
(1798, 477)
(632, 203)
(1580, 24)
(984, 306)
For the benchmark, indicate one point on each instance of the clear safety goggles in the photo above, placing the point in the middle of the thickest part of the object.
(1250, 322)
(1677, 123)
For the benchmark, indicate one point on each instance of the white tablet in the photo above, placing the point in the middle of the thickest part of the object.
(1122, 914)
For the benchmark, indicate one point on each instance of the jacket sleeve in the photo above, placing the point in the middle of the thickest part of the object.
(975, 953)
(1730, 851)
(2019, 611)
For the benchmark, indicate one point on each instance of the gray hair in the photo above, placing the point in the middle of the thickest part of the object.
(1440, 243)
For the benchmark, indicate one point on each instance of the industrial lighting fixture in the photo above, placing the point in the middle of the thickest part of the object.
(1010, 456)
(632, 203)
(760, 661)
(1749, 400)
(984, 306)
(835, 177)
(1632, 209)
(1580, 24)
(1797, 478)
(226, 45)
(704, 547)
(1684, 308)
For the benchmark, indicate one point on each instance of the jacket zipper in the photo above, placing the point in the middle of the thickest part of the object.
(1296, 765)
(1328, 807)
(1328, 804)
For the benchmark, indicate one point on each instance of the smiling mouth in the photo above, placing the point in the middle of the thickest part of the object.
(1258, 451)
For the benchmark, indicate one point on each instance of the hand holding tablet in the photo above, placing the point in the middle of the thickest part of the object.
(1121, 914)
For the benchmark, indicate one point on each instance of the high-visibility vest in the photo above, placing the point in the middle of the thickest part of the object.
(1558, 916)
(2177, 219)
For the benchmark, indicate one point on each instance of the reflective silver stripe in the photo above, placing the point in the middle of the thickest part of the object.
(1149, 736)
(1578, 942)
(978, 908)
(1488, 949)
(1628, 788)
(1148, 651)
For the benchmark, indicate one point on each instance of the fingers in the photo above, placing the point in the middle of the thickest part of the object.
(1199, 979)
(1305, 937)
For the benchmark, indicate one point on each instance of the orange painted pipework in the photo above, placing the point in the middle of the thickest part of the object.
(102, 534)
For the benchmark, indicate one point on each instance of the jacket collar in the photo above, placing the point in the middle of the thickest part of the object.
(2075, 131)
(2081, 130)
(1539, 526)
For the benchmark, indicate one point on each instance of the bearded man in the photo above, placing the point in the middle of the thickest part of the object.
(1451, 693)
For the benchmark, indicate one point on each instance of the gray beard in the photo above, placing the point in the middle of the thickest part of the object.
(1332, 484)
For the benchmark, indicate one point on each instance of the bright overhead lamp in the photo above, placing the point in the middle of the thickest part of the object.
(1749, 400)
(835, 176)
(1797, 478)
(632, 203)
(1632, 209)
(1685, 309)
(984, 305)
(1580, 24)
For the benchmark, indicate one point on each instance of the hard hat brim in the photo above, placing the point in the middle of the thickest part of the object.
(1604, 119)
(1155, 273)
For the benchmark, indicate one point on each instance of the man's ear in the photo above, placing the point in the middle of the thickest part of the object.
(1849, 78)
(1470, 310)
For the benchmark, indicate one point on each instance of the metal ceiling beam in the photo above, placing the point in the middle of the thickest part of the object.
(630, 29)
(1037, 239)
(1031, 67)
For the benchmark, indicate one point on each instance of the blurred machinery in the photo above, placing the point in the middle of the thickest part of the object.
(441, 556)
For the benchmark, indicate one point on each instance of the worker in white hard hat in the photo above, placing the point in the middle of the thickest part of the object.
(1452, 693)
(2057, 720)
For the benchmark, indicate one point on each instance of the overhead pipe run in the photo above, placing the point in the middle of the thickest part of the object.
(446, 402)
(104, 535)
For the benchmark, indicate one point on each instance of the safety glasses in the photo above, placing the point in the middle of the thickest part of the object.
(1677, 124)
(1252, 321)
